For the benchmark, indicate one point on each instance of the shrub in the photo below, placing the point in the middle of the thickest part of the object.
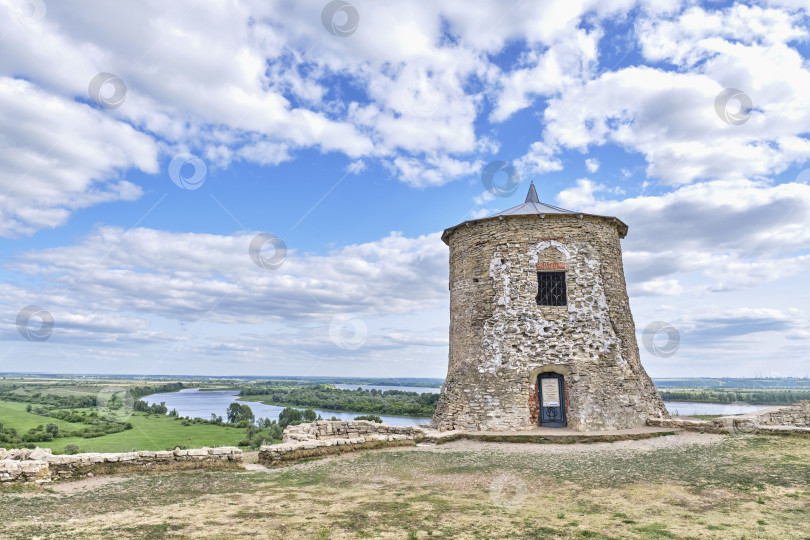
(71, 448)
(370, 417)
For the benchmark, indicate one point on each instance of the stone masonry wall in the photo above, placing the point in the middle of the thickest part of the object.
(328, 437)
(775, 420)
(797, 415)
(350, 429)
(40, 465)
(501, 340)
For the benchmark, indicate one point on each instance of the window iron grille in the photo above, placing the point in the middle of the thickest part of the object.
(551, 289)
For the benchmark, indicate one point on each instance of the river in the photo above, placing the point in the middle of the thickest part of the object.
(195, 403)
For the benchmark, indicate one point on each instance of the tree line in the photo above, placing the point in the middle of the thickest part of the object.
(770, 397)
(324, 396)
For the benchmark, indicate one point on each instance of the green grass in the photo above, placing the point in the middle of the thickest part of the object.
(154, 432)
(13, 414)
(149, 432)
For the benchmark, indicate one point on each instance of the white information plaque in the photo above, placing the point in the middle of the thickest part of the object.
(551, 392)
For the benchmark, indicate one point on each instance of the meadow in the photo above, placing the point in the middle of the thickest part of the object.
(149, 432)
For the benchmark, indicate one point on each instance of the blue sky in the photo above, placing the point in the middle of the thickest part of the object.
(357, 144)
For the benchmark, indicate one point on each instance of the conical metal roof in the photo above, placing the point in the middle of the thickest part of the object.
(533, 206)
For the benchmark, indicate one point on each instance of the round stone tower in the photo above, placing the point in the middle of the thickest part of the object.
(541, 332)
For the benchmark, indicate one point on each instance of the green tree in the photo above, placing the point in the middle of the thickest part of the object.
(115, 402)
(289, 417)
(238, 412)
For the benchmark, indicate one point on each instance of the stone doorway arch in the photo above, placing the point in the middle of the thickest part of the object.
(534, 394)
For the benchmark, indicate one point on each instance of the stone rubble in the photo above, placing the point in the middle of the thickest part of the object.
(792, 419)
(325, 437)
(40, 465)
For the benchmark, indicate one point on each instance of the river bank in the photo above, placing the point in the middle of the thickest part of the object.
(202, 403)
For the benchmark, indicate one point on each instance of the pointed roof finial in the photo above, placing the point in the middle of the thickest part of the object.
(531, 196)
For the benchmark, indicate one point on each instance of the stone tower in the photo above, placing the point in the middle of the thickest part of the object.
(540, 326)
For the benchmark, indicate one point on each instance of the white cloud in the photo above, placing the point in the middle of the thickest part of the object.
(592, 164)
(187, 276)
(657, 287)
(687, 39)
(739, 234)
(356, 167)
(668, 116)
(481, 213)
(567, 62)
(433, 170)
(59, 156)
(257, 81)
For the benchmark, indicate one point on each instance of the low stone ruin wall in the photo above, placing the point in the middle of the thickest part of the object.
(350, 429)
(797, 415)
(792, 419)
(327, 437)
(40, 465)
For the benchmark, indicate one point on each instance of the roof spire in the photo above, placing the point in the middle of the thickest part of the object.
(531, 196)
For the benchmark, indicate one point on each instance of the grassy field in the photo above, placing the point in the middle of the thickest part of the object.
(149, 432)
(13, 414)
(750, 487)
(155, 432)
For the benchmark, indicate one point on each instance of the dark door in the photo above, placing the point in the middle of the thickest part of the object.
(551, 387)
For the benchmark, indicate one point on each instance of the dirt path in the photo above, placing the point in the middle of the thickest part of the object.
(684, 438)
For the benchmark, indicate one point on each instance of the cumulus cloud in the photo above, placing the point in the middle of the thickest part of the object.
(717, 327)
(258, 81)
(189, 276)
(737, 233)
(666, 113)
(59, 156)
